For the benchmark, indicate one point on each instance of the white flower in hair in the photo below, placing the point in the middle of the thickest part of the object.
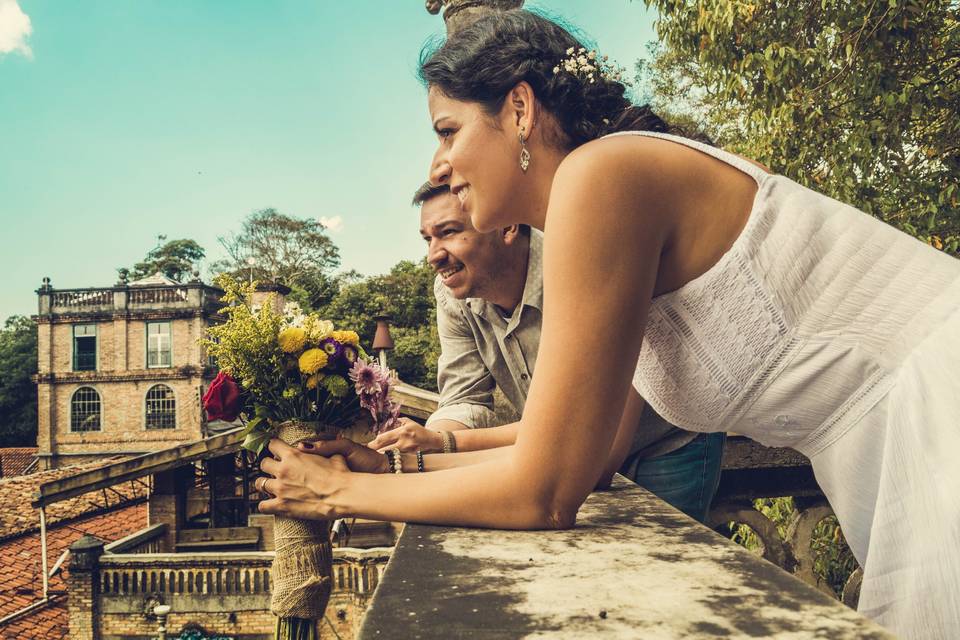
(587, 65)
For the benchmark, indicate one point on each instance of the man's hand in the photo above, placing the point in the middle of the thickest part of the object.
(408, 437)
(358, 457)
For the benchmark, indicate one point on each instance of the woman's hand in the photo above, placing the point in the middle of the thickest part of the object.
(408, 437)
(301, 485)
(359, 458)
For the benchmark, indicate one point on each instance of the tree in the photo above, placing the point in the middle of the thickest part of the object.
(858, 99)
(406, 295)
(176, 259)
(18, 393)
(276, 247)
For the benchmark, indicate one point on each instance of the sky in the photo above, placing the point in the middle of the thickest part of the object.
(124, 120)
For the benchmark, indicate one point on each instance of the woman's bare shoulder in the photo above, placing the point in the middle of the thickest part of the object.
(641, 170)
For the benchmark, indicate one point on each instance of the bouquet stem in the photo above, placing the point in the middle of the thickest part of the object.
(303, 564)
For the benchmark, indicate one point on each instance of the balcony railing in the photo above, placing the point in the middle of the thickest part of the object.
(122, 298)
(632, 567)
(205, 581)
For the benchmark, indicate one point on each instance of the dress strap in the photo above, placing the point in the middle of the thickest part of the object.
(747, 167)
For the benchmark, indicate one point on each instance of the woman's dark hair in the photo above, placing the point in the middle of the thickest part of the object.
(482, 62)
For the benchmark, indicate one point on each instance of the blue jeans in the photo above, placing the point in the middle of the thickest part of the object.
(686, 478)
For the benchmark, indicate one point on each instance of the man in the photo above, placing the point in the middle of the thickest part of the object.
(489, 293)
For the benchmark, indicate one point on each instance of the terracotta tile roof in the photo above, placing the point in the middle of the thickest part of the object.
(17, 516)
(14, 460)
(20, 565)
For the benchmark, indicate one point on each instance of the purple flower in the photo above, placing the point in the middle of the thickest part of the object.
(333, 349)
(366, 379)
(350, 355)
(373, 384)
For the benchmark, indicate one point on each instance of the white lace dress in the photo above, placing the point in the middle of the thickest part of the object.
(828, 331)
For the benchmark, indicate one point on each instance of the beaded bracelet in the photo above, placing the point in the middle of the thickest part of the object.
(419, 461)
(393, 459)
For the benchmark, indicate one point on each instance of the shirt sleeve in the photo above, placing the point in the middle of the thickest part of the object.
(466, 385)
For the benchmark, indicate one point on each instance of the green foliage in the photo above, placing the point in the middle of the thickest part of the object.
(175, 259)
(18, 393)
(833, 562)
(415, 355)
(406, 295)
(858, 99)
(273, 246)
(299, 253)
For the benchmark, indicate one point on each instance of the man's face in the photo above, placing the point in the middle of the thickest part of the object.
(469, 262)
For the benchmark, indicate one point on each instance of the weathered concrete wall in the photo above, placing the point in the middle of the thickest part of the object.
(633, 567)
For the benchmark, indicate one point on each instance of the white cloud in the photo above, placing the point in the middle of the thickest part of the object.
(14, 29)
(334, 224)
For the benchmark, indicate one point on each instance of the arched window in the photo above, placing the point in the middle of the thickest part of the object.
(161, 408)
(85, 410)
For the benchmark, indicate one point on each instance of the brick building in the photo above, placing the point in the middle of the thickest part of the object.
(120, 370)
(121, 374)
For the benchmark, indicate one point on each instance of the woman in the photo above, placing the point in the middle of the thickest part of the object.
(760, 306)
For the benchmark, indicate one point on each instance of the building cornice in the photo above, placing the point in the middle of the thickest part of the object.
(103, 316)
(149, 375)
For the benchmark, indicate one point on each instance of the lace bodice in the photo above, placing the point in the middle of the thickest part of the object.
(798, 327)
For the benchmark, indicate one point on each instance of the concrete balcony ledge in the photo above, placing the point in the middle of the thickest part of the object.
(633, 567)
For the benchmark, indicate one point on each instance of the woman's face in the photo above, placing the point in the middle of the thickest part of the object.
(478, 159)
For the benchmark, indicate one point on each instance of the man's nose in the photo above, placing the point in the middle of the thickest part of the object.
(436, 254)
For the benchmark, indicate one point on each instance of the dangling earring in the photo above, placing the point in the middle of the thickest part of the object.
(524, 154)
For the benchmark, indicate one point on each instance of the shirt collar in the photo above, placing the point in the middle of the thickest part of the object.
(532, 288)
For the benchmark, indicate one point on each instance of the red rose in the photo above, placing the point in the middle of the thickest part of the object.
(222, 399)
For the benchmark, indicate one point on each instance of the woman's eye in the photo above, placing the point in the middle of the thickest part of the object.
(444, 133)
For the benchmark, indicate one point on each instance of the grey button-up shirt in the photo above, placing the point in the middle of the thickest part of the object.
(481, 349)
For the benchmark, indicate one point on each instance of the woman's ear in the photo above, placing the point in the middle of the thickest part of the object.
(521, 106)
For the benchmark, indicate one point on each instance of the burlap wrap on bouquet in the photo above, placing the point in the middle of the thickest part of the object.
(302, 567)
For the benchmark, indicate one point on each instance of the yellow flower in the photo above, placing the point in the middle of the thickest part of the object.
(346, 337)
(314, 380)
(292, 339)
(312, 361)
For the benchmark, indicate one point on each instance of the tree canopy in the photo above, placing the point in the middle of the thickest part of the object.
(858, 99)
(277, 247)
(176, 259)
(18, 393)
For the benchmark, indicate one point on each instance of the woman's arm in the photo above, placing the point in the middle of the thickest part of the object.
(629, 422)
(363, 459)
(601, 257)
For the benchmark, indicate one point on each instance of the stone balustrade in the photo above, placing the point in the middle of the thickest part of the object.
(752, 471)
(186, 581)
(113, 594)
(107, 301)
(632, 567)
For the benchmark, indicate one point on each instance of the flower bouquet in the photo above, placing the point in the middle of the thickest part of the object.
(292, 376)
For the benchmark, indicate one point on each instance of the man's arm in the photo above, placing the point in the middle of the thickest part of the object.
(466, 385)
(446, 424)
(466, 391)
